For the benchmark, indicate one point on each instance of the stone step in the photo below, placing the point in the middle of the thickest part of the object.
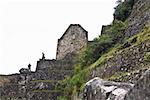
(44, 94)
(7, 97)
(55, 64)
(42, 84)
(59, 74)
(48, 74)
(34, 95)
(11, 90)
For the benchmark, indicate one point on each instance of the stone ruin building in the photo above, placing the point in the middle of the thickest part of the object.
(40, 85)
(72, 41)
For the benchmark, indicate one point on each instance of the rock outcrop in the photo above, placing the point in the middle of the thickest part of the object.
(99, 89)
(140, 16)
(141, 89)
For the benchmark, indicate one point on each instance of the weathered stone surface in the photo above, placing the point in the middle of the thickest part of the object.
(40, 85)
(140, 16)
(126, 60)
(54, 64)
(72, 41)
(99, 89)
(141, 90)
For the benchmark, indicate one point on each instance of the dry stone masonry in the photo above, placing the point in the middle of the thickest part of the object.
(40, 85)
(72, 41)
(139, 17)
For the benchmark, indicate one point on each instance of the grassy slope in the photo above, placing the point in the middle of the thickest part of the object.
(75, 84)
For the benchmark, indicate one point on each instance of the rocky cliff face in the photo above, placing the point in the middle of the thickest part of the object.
(140, 16)
(129, 63)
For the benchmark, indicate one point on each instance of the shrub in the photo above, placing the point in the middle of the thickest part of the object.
(100, 45)
(123, 10)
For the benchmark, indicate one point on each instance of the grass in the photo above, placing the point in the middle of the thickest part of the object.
(119, 76)
(75, 84)
(62, 98)
(141, 37)
(147, 57)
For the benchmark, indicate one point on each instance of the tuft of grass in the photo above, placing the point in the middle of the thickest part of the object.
(119, 76)
(62, 98)
(141, 37)
(147, 57)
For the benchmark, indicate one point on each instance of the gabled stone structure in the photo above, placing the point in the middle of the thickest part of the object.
(72, 41)
(40, 85)
(70, 44)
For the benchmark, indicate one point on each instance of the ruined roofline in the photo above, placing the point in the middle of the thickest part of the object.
(77, 25)
(71, 26)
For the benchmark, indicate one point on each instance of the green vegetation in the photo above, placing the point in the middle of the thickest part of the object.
(96, 54)
(75, 84)
(62, 98)
(147, 57)
(120, 76)
(117, 27)
(141, 37)
(101, 45)
(72, 85)
(123, 10)
(102, 49)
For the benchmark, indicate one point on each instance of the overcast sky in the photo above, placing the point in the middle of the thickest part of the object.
(30, 27)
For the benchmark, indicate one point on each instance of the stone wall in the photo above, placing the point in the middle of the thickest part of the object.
(40, 85)
(128, 60)
(72, 41)
(141, 90)
(99, 89)
(54, 64)
(140, 16)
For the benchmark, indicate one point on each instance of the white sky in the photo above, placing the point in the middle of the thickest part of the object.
(30, 27)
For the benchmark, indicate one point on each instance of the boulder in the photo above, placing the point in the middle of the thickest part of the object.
(99, 89)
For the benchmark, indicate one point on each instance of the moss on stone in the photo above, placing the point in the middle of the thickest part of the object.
(121, 76)
(147, 57)
(62, 98)
(141, 37)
